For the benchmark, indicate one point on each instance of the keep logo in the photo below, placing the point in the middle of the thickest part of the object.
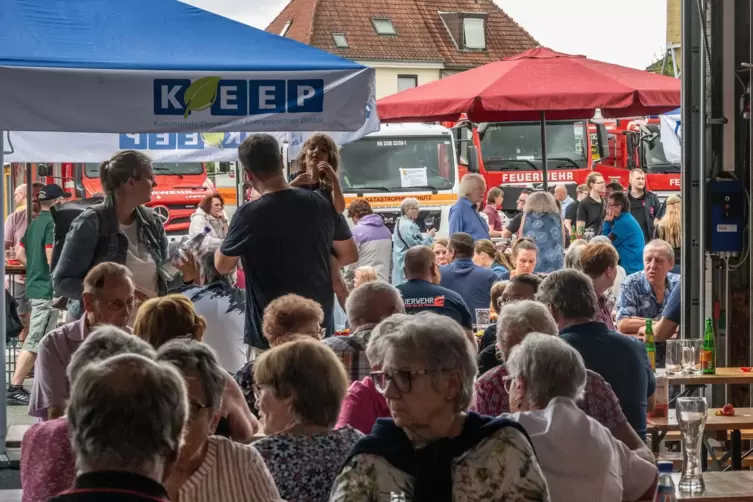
(227, 98)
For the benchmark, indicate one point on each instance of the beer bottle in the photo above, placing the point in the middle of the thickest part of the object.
(708, 350)
(650, 343)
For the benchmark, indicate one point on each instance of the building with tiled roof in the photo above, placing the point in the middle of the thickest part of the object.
(409, 42)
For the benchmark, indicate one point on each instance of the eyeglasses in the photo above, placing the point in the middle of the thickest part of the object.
(194, 408)
(401, 379)
(507, 382)
(119, 305)
(257, 394)
(322, 333)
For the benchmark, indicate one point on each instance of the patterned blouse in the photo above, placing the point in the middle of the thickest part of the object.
(599, 400)
(500, 468)
(48, 465)
(304, 466)
(546, 231)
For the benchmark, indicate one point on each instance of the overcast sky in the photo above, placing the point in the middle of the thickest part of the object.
(627, 33)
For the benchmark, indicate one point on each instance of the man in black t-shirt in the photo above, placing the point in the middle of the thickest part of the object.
(591, 209)
(513, 226)
(284, 239)
(421, 291)
(644, 205)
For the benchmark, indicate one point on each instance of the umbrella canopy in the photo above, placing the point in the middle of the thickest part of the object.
(521, 87)
(164, 66)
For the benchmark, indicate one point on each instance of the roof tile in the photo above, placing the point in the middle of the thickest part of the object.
(421, 33)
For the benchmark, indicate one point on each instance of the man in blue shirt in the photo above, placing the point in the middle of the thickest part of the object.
(471, 282)
(624, 232)
(621, 360)
(464, 215)
(420, 292)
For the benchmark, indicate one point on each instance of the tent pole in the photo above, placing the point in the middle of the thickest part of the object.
(29, 193)
(544, 173)
(3, 362)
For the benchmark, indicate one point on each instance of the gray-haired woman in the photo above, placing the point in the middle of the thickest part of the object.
(432, 449)
(211, 467)
(542, 222)
(406, 235)
(546, 377)
(48, 465)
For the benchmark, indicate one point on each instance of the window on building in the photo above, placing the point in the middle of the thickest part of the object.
(383, 26)
(474, 33)
(285, 28)
(406, 82)
(340, 41)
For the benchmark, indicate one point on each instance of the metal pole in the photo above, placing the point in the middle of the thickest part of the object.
(693, 176)
(544, 172)
(29, 193)
(750, 206)
(4, 386)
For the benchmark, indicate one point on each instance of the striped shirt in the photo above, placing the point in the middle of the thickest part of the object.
(231, 472)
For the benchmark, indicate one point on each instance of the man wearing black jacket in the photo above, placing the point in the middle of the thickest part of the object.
(644, 205)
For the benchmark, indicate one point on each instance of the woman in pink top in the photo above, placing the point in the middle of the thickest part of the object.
(493, 204)
(48, 465)
(363, 403)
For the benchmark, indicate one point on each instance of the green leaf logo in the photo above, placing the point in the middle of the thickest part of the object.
(201, 94)
(213, 138)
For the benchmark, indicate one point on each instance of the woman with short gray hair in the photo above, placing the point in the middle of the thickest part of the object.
(211, 467)
(407, 234)
(546, 377)
(433, 449)
(48, 464)
(542, 222)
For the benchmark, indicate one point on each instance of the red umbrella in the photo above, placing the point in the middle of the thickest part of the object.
(521, 87)
(538, 84)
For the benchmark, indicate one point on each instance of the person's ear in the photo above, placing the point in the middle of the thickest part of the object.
(89, 302)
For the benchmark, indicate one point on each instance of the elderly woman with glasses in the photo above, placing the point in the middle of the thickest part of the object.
(300, 386)
(407, 234)
(166, 318)
(211, 467)
(515, 322)
(546, 378)
(432, 449)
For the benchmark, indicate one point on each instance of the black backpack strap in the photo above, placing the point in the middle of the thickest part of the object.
(400, 235)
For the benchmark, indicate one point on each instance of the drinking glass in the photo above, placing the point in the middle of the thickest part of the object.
(482, 318)
(691, 357)
(588, 234)
(674, 357)
(691, 416)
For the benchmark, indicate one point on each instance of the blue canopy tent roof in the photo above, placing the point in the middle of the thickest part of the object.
(133, 66)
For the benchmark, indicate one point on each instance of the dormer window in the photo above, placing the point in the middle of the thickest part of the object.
(467, 29)
(383, 26)
(474, 33)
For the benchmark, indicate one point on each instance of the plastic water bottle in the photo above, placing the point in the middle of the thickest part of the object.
(193, 244)
(665, 490)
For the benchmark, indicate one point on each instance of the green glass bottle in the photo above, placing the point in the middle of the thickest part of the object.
(650, 343)
(708, 350)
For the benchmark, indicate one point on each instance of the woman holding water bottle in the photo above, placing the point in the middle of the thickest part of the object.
(122, 230)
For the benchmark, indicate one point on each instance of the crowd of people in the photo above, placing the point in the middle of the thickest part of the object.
(226, 381)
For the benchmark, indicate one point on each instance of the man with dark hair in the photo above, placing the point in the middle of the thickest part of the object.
(461, 275)
(513, 226)
(572, 210)
(421, 292)
(644, 205)
(612, 188)
(284, 239)
(621, 360)
(624, 232)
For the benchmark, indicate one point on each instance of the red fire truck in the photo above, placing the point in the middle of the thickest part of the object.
(180, 186)
(509, 154)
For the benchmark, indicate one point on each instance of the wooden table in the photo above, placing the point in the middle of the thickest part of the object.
(15, 269)
(743, 419)
(723, 376)
(734, 486)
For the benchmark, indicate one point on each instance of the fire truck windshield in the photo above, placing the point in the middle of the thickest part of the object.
(517, 146)
(91, 170)
(394, 164)
(656, 157)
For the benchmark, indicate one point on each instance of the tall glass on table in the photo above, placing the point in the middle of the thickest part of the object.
(691, 416)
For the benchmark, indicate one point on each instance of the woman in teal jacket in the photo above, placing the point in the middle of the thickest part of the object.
(625, 232)
(406, 235)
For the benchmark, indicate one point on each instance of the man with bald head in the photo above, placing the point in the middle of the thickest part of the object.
(421, 292)
(560, 193)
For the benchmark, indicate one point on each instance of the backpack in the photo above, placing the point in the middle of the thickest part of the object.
(13, 326)
(63, 216)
